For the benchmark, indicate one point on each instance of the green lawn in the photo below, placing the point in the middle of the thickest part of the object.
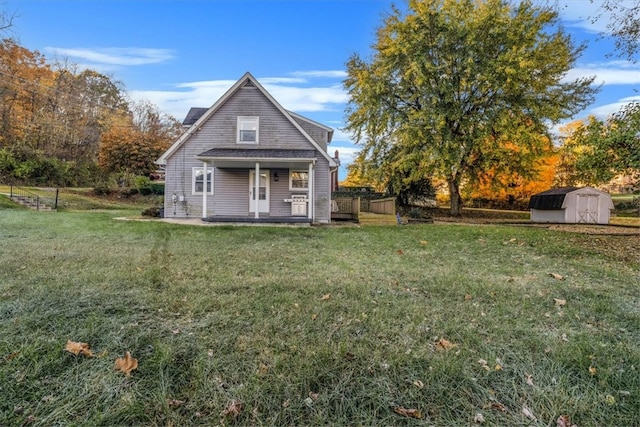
(272, 326)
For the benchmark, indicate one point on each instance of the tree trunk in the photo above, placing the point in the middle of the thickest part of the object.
(454, 197)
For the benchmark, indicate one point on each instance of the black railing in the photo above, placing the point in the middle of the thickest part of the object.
(33, 200)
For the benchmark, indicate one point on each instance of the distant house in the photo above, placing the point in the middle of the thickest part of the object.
(247, 159)
(571, 205)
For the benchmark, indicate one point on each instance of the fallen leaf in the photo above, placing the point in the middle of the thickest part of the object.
(126, 364)
(478, 418)
(564, 421)
(560, 302)
(210, 352)
(314, 396)
(610, 399)
(418, 383)
(527, 413)
(564, 338)
(286, 403)
(400, 252)
(529, 379)
(498, 367)
(233, 410)
(499, 407)
(174, 403)
(78, 348)
(325, 297)
(444, 344)
(263, 369)
(556, 276)
(467, 297)
(592, 370)
(410, 413)
(423, 242)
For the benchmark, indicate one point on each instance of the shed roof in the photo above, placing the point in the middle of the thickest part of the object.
(550, 199)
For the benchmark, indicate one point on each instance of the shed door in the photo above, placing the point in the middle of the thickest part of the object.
(587, 208)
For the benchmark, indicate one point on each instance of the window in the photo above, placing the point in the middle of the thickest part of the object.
(298, 180)
(248, 130)
(197, 183)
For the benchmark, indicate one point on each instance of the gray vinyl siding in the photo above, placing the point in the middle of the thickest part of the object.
(319, 135)
(232, 193)
(322, 194)
(275, 130)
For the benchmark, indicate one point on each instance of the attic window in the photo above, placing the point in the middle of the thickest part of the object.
(248, 129)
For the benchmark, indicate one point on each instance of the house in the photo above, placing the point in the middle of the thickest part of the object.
(571, 205)
(247, 159)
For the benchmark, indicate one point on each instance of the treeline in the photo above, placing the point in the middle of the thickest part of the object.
(62, 126)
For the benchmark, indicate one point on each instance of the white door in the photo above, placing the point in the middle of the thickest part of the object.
(588, 208)
(262, 192)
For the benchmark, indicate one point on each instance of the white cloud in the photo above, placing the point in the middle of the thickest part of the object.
(611, 73)
(293, 94)
(120, 56)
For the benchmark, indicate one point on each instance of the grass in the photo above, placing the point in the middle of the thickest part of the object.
(314, 326)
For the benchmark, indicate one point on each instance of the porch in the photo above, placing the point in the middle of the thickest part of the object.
(292, 220)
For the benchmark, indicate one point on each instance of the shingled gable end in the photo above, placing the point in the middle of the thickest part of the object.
(247, 159)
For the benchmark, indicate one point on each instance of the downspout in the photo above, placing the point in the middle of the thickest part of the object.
(311, 192)
(204, 189)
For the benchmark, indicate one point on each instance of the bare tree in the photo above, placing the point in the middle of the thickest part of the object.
(624, 26)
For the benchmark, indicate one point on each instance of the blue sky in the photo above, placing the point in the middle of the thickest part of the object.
(187, 53)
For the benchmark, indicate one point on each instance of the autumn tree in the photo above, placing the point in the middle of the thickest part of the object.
(598, 150)
(502, 185)
(135, 140)
(448, 76)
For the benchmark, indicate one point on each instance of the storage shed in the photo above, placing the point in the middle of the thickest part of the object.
(571, 205)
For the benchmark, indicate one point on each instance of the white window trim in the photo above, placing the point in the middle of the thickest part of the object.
(193, 180)
(248, 119)
(291, 187)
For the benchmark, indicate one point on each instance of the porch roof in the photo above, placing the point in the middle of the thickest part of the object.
(246, 157)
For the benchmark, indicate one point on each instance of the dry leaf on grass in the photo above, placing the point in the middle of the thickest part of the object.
(418, 384)
(592, 370)
(325, 297)
(410, 413)
(560, 302)
(499, 407)
(233, 410)
(527, 413)
(529, 379)
(400, 252)
(564, 421)
(444, 344)
(126, 364)
(557, 276)
(478, 418)
(423, 242)
(78, 348)
(174, 403)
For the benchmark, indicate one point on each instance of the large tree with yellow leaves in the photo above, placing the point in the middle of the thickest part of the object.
(451, 81)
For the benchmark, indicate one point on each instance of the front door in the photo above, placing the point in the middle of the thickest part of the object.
(262, 191)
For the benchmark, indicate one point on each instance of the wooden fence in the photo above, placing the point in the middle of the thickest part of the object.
(352, 207)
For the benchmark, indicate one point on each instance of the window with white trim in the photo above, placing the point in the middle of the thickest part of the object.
(298, 180)
(197, 181)
(248, 129)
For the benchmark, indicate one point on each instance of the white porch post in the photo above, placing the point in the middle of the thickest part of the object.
(204, 189)
(256, 190)
(311, 192)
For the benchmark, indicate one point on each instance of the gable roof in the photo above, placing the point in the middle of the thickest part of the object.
(246, 79)
(550, 199)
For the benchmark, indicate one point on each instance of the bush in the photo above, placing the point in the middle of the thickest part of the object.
(153, 211)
